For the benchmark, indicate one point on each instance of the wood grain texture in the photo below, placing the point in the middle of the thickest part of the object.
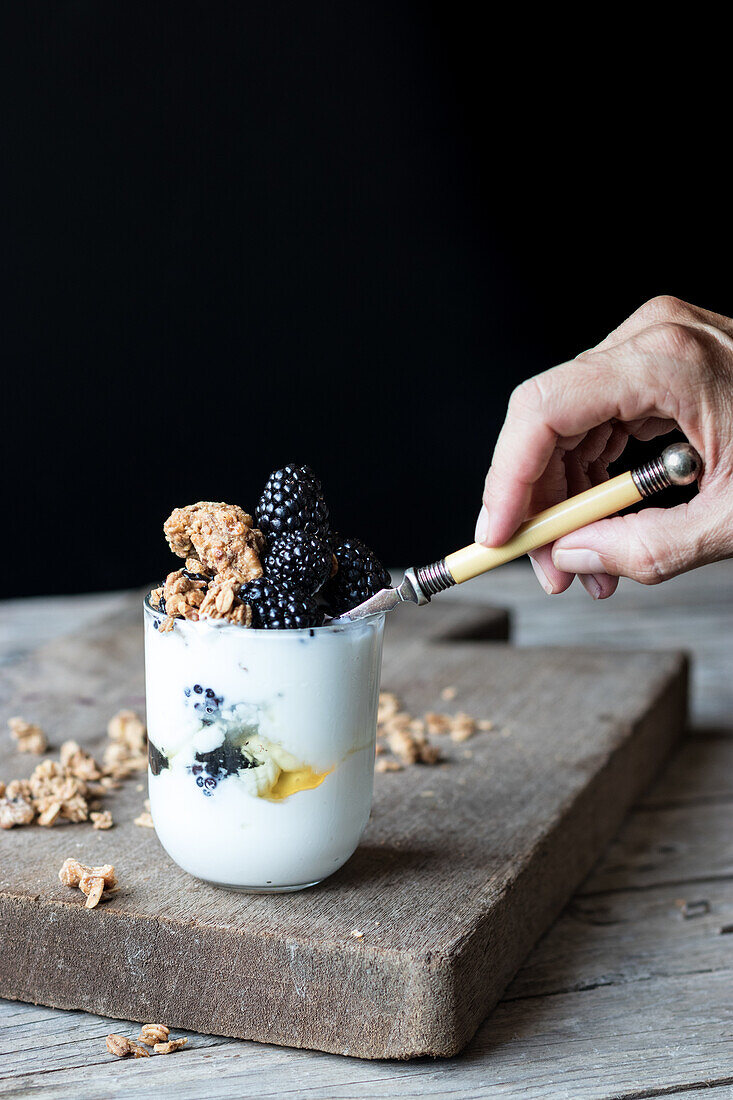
(462, 867)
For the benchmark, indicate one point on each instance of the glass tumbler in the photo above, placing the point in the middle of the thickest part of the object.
(261, 747)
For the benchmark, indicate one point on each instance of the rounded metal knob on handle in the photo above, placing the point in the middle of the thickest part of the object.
(682, 464)
(679, 464)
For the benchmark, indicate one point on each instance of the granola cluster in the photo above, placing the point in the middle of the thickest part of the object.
(403, 740)
(29, 738)
(156, 1036)
(221, 536)
(96, 883)
(222, 549)
(70, 788)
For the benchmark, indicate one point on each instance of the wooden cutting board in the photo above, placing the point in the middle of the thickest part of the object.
(462, 867)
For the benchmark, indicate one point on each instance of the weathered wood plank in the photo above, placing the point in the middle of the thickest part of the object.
(592, 1045)
(632, 936)
(509, 830)
(701, 770)
(682, 844)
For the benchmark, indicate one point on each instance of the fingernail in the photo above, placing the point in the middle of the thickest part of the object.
(591, 584)
(541, 576)
(577, 561)
(482, 526)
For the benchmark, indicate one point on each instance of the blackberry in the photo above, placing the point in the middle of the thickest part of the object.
(212, 767)
(360, 575)
(276, 606)
(292, 500)
(205, 701)
(299, 560)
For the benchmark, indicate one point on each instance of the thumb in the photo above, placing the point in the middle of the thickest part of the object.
(648, 546)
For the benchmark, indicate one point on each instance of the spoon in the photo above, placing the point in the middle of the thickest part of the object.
(679, 464)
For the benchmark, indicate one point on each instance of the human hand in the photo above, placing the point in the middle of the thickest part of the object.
(670, 365)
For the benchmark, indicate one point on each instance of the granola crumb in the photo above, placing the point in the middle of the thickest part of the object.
(448, 693)
(102, 820)
(145, 820)
(150, 1034)
(169, 1047)
(28, 737)
(357, 934)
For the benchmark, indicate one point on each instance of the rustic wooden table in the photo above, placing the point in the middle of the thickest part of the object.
(629, 994)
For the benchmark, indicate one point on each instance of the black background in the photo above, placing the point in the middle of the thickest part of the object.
(236, 235)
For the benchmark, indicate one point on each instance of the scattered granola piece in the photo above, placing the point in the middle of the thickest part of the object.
(389, 766)
(403, 746)
(145, 820)
(120, 1046)
(128, 751)
(50, 784)
(437, 723)
(78, 762)
(19, 788)
(50, 815)
(357, 934)
(150, 1034)
(96, 882)
(448, 693)
(169, 1047)
(15, 811)
(388, 705)
(485, 724)
(93, 887)
(102, 820)
(29, 737)
(127, 728)
(429, 754)
(462, 727)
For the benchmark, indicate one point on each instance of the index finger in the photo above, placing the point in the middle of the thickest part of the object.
(551, 408)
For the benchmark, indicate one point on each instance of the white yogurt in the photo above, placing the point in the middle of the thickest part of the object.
(262, 747)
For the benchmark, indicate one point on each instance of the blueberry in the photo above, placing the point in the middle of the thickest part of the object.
(200, 781)
(187, 692)
(198, 689)
(210, 783)
(210, 693)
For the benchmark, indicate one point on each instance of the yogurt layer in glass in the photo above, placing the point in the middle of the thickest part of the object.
(261, 747)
